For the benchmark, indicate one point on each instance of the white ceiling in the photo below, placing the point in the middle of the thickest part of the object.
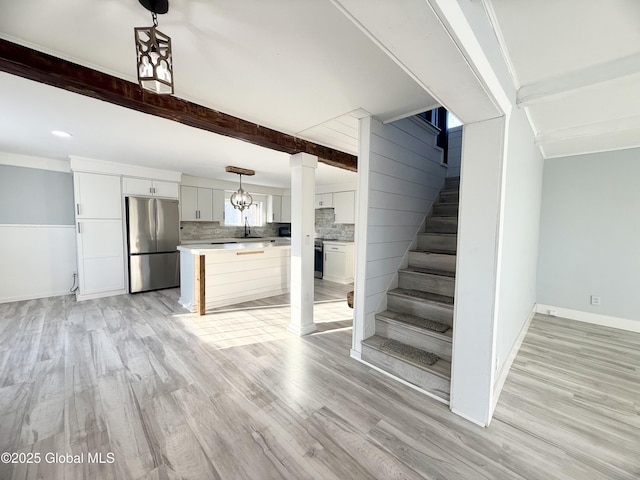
(576, 66)
(311, 68)
(300, 67)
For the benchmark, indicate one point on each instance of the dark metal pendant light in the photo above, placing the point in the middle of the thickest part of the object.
(153, 50)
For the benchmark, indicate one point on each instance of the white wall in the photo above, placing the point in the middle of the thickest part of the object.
(37, 233)
(37, 261)
(400, 173)
(520, 232)
(518, 214)
(590, 234)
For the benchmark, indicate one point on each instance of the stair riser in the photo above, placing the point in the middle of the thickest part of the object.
(414, 337)
(427, 283)
(445, 210)
(452, 182)
(421, 308)
(449, 197)
(425, 380)
(437, 242)
(442, 225)
(436, 261)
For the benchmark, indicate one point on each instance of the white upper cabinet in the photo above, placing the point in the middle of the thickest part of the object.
(285, 216)
(324, 200)
(218, 206)
(344, 206)
(198, 204)
(150, 188)
(97, 195)
(274, 208)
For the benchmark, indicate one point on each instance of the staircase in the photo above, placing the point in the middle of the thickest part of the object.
(413, 336)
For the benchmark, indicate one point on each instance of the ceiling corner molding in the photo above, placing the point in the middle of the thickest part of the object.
(495, 25)
(31, 64)
(563, 85)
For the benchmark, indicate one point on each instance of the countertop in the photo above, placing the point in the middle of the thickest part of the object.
(338, 242)
(204, 248)
(208, 241)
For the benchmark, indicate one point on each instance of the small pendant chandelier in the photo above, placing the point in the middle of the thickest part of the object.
(153, 50)
(240, 199)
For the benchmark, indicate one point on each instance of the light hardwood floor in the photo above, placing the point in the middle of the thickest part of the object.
(232, 395)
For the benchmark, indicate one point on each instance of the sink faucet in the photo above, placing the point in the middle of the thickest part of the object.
(247, 228)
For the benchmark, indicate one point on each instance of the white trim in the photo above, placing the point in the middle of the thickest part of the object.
(91, 296)
(593, 318)
(361, 233)
(28, 225)
(82, 164)
(455, 23)
(475, 422)
(404, 382)
(563, 85)
(355, 355)
(28, 161)
(608, 127)
(35, 296)
(302, 330)
(411, 114)
(506, 367)
(495, 25)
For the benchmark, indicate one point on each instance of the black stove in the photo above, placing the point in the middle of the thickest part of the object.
(318, 246)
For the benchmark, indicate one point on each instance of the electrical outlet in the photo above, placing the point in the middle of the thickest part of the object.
(553, 313)
(595, 300)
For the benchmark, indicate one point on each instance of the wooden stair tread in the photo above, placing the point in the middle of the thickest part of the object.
(426, 296)
(434, 251)
(428, 271)
(416, 322)
(441, 368)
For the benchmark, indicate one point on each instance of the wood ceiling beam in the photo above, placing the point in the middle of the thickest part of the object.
(41, 67)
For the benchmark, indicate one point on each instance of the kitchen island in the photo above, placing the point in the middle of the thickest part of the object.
(217, 275)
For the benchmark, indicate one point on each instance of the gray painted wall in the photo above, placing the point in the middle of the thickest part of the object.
(31, 196)
(590, 233)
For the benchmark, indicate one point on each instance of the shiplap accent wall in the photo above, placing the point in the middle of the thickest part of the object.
(454, 154)
(400, 173)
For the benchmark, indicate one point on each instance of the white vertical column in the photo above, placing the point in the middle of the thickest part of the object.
(303, 221)
(478, 269)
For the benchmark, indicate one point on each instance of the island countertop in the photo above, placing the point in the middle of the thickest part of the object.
(206, 248)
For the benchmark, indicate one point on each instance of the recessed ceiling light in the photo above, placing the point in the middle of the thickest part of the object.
(60, 133)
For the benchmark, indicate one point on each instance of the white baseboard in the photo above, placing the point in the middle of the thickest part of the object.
(593, 318)
(34, 296)
(506, 367)
(92, 296)
(356, 355)
(469, 419)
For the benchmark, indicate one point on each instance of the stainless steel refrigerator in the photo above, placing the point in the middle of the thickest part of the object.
(153, 234)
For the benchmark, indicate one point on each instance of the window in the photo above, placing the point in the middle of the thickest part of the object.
(255, 214)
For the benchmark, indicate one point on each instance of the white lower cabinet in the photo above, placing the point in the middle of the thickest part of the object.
(338, 265)
(100, 258)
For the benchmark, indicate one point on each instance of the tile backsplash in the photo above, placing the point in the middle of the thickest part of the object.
(207, 230)
(325, 228)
